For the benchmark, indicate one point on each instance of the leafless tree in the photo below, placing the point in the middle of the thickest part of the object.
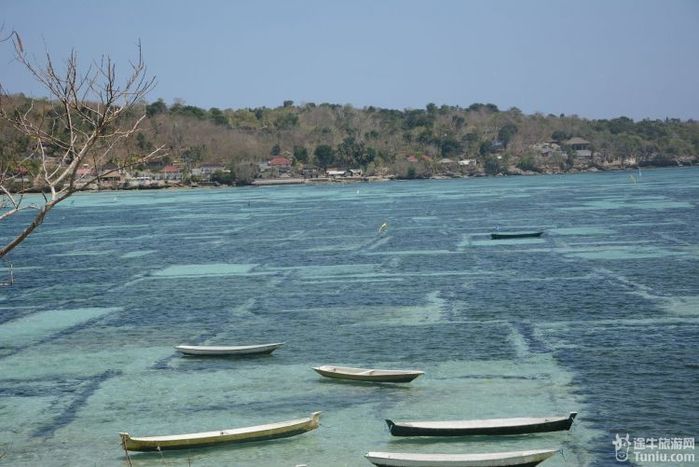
(74, 138)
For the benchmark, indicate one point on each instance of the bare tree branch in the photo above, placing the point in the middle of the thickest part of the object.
(90, 115)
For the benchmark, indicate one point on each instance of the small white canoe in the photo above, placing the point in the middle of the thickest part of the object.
(209, 438)
(368, 374)
(490, 459)
(228, 350)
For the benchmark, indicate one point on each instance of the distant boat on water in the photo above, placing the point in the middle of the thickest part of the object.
(211, 350)
(506, 235)
(368, 374)
(209, 438)
(489, 459)
(495, 426)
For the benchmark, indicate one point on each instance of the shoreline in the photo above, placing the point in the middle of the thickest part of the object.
(391, 178)
(365, 179)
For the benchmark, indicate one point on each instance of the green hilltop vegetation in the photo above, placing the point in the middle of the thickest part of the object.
(412, 143)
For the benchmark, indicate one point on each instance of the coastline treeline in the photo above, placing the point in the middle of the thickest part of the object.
(410, 143)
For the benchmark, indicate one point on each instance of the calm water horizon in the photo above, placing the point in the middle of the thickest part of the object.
(600, 316)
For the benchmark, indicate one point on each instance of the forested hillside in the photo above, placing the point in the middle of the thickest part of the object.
(407, 143)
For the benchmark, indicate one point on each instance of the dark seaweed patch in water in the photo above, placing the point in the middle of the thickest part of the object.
(80, 399)
(640, 375)
(503, 377)
(533, 343)
(38, 387)
(53, 337)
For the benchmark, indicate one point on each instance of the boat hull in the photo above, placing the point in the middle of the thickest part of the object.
(377, 377)
(414, 428)
(393, 463)
(240, 435)
(214, 351)
(504, 236)
(501, 459)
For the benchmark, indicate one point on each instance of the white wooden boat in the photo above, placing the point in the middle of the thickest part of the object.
(209, 438)
(494, 426)
(490, 459)
(368, 374)
(214, 350)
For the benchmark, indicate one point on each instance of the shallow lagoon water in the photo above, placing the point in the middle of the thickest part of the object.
(597, 316)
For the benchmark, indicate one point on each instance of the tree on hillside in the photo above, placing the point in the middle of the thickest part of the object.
(449, 146)
(244, 172)
(324, 155)
(493, 166)
(507, 132)
(286, 121)
(217, 116)
(350, 152)
(157, 107)
(71, 138)
(485, 148)
(300, 154)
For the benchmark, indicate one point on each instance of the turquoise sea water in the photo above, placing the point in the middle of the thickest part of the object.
(599, 316)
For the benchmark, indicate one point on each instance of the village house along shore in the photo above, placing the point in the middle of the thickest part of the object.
(280, 170)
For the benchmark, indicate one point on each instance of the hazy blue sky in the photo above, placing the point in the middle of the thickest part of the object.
(598, 59)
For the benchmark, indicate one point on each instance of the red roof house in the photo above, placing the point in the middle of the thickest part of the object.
(280, 161)
(170, 169)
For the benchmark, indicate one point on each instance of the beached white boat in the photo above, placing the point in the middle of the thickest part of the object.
(368, 374)
(494, 426)
(214, 350)
(490, 459)
(209, 438)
